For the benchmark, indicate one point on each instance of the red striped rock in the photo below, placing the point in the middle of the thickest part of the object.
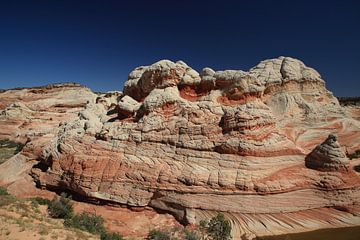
(194, 144)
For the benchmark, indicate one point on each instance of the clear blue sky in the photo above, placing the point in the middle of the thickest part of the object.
(97, 43)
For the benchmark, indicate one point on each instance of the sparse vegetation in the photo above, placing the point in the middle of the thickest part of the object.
(61, 207)
(89, 222)
(54, 236)
(110, 236)
(5, 197)
(24, 216)
(219, 228)
(355, 154)
(3, 191)
(78, 224)
(40, 201)
(92, 223)
(191, 235)
(43, 230)
(159, 235)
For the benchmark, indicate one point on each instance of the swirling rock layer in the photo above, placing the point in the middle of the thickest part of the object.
(192, 144)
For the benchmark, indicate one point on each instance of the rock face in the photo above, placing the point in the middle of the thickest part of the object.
(328, 156)
(193, 144)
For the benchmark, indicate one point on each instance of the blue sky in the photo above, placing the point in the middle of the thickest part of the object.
(97, 43)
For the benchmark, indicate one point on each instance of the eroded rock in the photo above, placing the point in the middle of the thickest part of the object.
(194, 144)
(328, 156)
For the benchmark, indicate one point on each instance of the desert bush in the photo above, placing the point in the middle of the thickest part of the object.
(191, 235)
(357, 168)
(40, 201)
(6, 200)
(60, 207)
(3, 191)
(5, 197)
(356, 154)
(158, 235)
(110, 236)
(43, 230)
(89, 222)
(219, 228)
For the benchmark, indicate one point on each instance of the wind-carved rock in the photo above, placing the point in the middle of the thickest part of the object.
(328, 156)
(195, 144)
(162, 74)
(248, 118)
(127, 107)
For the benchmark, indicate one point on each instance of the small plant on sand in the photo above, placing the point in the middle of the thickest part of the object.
(219, 228)
(191, 235)
(356, 154)
(5, 197)
(110, 236)
(3, 191)
(43, 230)
(40, 201)
(61, 207)
(89, 222)
(158, 235)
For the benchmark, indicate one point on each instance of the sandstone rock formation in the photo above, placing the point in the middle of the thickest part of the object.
(328, 156)
(193, 144)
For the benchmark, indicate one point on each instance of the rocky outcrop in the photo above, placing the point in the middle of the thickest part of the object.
(328, 156)
(193, 144)
(162, 74)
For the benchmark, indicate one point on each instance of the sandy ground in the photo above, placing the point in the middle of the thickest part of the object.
(22, 220)
(129, 223)
(133, 224)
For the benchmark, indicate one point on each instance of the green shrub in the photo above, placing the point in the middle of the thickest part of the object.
(356, 154)
(219, 228)
(191, 235)
(110, 236)
(158, 235)
(89, 222)
(203, 224)
(61, 207)
(5, 197)
(3, 191)
(40, 201)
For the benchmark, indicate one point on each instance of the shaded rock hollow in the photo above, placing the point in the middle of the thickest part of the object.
(193, 144)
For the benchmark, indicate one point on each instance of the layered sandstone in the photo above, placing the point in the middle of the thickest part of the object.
(328, 156)
(193, 144)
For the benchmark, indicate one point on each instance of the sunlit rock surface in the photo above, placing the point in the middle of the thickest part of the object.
(252, 144)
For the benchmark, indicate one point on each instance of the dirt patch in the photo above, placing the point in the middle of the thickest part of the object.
(22, 219)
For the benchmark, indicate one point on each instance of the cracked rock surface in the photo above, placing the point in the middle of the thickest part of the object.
(251, 144)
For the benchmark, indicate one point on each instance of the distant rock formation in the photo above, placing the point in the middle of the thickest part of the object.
(193, 144)
(349, 101)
